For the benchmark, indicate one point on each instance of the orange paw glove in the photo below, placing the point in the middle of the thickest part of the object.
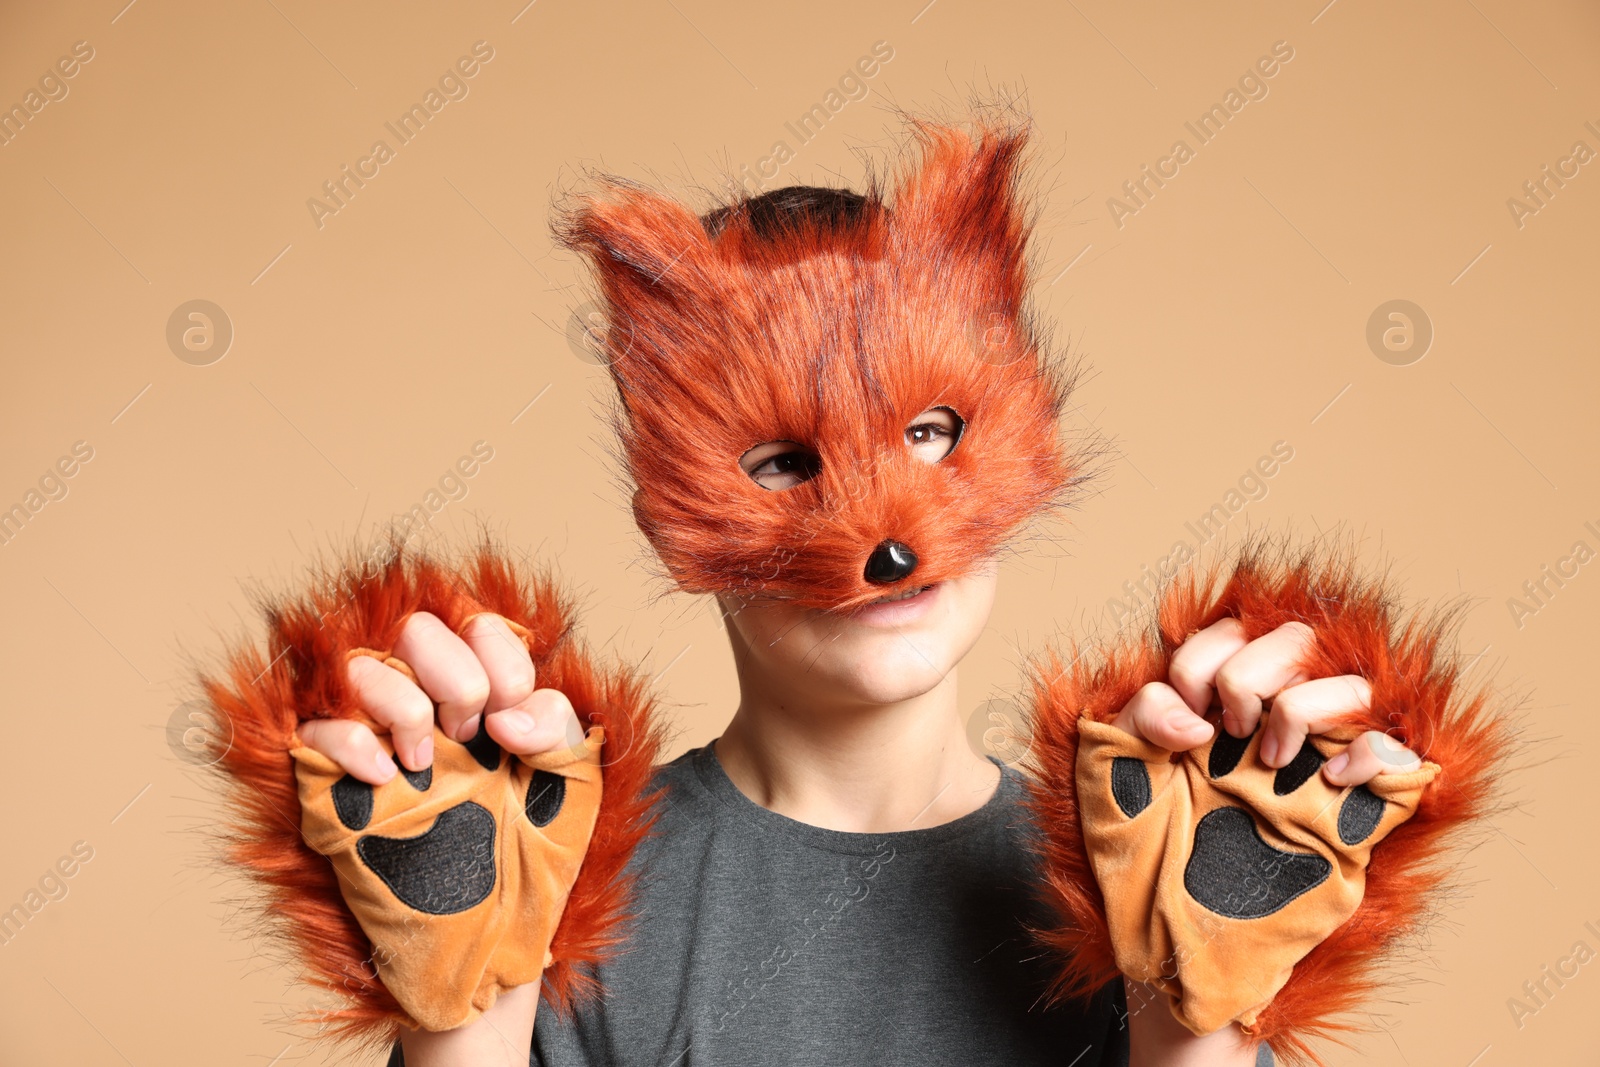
(417, 902)
(1240, 892)
(1220, 873)
(457, 873)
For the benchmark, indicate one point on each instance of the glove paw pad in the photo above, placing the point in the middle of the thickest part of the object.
(457, 873)
(440, 871)
(1130, 785)
(546, 793)
(1229, 852)
(1359, 815)
(1220, 873)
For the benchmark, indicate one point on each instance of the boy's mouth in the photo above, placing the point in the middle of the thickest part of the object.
(901, 608)
(904, 594)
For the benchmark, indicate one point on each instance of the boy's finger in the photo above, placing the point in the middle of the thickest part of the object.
(505, 661)
(1261, 669)
(1159, 715)
(447, 669)
(1194, 666)
(1310, 708)
(395, 701)
(1371, 754)
(542, 723)
(352, 746)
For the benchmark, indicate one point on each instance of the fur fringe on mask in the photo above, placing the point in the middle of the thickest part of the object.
(730, 330)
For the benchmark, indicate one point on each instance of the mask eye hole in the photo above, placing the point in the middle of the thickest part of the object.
(935, 433)
(780, 464)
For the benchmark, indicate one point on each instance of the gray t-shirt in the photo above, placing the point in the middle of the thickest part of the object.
(760, 940)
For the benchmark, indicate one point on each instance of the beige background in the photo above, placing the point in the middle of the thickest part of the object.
(1228, 314)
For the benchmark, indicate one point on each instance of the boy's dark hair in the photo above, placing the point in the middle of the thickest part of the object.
(783, 210)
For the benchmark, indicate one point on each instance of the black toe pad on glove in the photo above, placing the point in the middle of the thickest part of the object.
(1130, 785)
(352, 800)
(445, 870)
(484, 750)
(1226, 752)
(546, 792)
(1360, 814)
(1298, 771)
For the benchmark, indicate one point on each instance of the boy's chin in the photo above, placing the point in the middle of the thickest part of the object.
(886, 669)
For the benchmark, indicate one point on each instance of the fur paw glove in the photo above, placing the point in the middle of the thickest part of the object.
(457, 873)
(1238, 892)
(417, 902)
(1218, 873)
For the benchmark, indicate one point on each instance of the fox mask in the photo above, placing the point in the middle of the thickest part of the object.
(832, 328)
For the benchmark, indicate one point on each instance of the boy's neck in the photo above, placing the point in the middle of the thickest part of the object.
(874, 768)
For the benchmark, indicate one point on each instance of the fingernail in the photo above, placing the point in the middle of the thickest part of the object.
(520, 721)
(1269, 750)
(1338, 763)
(467, 730)
(385, 765)
(424, 753)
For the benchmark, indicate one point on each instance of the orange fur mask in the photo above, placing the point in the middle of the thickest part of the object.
(833, 329)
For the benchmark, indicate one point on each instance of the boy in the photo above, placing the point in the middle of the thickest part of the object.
(820, 438)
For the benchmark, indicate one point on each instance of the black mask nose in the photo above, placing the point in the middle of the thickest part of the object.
(890, 562)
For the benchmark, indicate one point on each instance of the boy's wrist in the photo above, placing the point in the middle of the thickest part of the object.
(1157, 1039)
(503, 1035)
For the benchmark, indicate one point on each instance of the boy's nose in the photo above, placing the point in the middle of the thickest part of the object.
(890, 562)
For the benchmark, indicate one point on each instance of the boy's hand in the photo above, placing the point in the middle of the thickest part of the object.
(1226, 777)
(1226, 858)
(483, 678)
(458, 870)
(1219, 664)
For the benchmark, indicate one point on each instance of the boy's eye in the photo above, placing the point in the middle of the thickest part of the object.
(934, 434)
(780, 464)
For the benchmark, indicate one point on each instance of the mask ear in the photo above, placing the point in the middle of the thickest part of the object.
(655, 269)
(961, 203)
